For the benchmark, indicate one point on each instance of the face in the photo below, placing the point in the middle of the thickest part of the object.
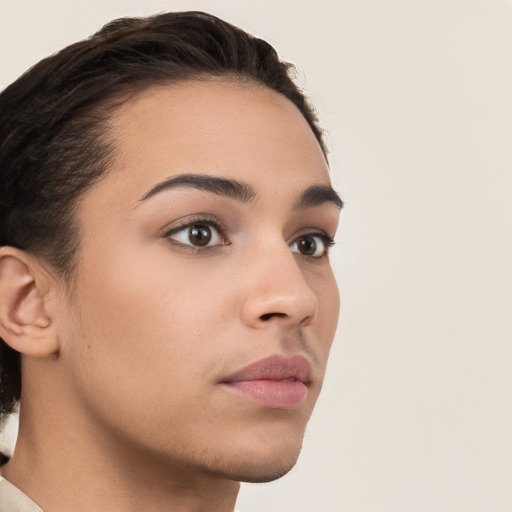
(205, 304)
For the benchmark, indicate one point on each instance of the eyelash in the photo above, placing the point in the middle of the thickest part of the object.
(220, 230)
(200, 221)
(327, 243)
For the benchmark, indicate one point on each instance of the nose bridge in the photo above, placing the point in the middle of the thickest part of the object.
(277, 290)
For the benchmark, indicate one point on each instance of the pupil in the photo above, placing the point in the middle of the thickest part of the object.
(307, 246)
(200, 235)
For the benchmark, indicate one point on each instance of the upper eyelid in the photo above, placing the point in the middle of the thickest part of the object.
(327, 242)
(328, 239)
(312, 231)
(200, 219)
(222, 229)
(171, 238)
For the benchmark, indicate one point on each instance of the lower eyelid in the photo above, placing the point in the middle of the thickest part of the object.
(327, 243)
(219, 238)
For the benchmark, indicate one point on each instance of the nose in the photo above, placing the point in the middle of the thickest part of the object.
(275, 291)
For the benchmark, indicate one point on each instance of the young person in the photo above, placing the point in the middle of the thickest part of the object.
(167, 304)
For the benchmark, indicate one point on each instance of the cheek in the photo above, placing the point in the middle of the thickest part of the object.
(152, 324)
(327, 293)
(147, 345)
(140, 292)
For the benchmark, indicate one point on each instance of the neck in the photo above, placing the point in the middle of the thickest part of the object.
(62, 465)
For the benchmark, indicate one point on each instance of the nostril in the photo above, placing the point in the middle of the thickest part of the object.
(268, 316)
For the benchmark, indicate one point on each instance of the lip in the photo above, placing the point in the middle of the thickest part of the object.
(278, 381)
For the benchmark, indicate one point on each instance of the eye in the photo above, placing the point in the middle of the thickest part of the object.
(198, 234)
(314, 245)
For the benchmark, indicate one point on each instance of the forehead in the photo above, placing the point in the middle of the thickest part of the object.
(237, 130)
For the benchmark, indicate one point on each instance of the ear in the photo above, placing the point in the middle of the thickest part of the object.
(24, 323)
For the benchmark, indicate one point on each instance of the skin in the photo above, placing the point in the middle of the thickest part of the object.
(127, 395)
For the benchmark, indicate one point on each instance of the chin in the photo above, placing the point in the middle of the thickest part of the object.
(247, 466)
(267, 475)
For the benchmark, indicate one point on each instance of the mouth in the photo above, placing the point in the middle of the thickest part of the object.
(279, 382)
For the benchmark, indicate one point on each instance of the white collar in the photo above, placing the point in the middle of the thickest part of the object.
(13, 500)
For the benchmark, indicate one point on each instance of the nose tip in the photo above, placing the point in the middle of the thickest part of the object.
(279, 296)
(293, 317)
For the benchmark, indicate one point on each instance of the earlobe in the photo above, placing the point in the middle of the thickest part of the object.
(24, 322)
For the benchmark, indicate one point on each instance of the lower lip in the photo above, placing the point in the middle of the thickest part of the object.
(272, 393)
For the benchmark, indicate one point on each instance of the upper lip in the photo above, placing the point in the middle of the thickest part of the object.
(275, 367)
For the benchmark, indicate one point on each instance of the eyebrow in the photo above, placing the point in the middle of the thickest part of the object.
(317, 195)
(221, 186)
(313, 196)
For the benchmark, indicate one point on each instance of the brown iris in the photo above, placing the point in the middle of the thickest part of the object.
(307, 245)
(200, 235)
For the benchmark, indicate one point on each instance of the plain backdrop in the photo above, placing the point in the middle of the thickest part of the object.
(416, 97)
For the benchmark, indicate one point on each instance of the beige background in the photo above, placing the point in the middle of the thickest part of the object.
(417, 98)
